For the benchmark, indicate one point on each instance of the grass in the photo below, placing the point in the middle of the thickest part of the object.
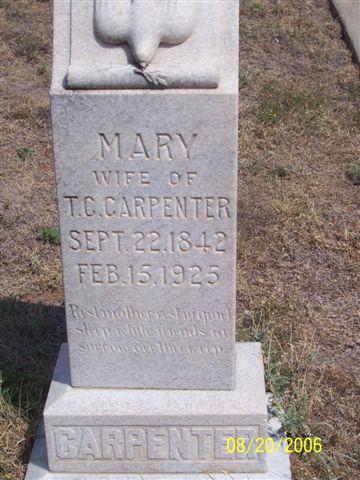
(281, 171)
(277, 104)
(50, 235)
(353, 173)
(298, 240)
(30, 47)
(298, 226)
(25, 153)
(353, 90)
(259, 8)
(281, 370)
(245, 78)
(41, 69)
(29, 343)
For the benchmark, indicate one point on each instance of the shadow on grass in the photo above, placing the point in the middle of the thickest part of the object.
(30, 339)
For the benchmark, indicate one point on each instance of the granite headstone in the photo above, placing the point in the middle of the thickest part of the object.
(144, 110)
(146, 181)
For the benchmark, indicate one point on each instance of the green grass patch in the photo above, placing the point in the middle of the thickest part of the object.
(254, 167)
(353, 90)
(30, 47)
(41, 69)
(276, 103)
(281, 171)
(285, 376)
(25, 153)
(352, 173)
(259, 8)
(245, 78)
(50, 235)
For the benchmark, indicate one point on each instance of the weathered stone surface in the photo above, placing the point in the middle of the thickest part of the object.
(145, 25)
(154, 431)
(146, 184)
(120, 44)
(83, 77)
(277, 468)
(349, 14)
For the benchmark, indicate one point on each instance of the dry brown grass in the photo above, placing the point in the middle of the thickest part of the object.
(298, 283)
(298, 253)
(29, 269)
(27, 198)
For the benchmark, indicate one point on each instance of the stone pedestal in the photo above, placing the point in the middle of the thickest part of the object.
(93, 432)
(277, 468)
(156, 431)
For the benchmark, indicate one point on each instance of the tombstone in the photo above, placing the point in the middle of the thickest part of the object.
(144, 109)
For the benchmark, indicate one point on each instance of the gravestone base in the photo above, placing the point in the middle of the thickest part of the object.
(277, 468)
(156, 431)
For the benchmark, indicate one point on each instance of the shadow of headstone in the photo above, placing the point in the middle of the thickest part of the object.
(30, 339)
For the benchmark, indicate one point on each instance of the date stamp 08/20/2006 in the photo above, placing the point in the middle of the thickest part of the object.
(298, 445)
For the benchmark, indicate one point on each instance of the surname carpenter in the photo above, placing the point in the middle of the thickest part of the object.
(89, 443)
(149, 207)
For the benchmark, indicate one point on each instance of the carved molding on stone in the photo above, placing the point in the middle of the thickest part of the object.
(144, 25)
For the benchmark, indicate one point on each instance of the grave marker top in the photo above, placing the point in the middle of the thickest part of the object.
(137, 44)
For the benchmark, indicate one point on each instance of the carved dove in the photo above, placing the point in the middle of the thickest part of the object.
(144, 24)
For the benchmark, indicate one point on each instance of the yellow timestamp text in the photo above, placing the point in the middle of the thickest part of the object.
(246, 445)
